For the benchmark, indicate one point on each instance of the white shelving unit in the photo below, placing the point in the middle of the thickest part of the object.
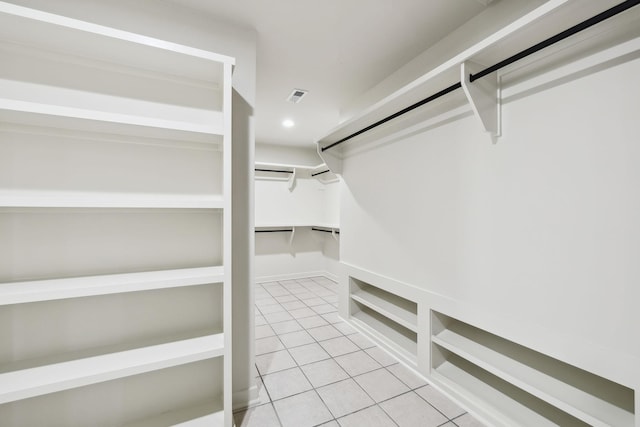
(138, 131)
(478, 366)
(544, 21)
(390, 318)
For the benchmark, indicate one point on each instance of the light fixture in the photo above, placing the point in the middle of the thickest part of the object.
(288, 123)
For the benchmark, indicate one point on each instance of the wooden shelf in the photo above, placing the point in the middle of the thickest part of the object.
(209, 415)
(57, 33)
(41, 380)
(395, 308)
(80, 199)
(388, 330)
(45, 290)
(481, 349)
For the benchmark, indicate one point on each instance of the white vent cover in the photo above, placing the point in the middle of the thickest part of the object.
(297, 95)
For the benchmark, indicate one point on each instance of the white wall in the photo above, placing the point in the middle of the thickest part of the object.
(539, 231)
(303, 156)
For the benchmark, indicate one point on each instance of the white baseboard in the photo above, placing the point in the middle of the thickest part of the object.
(293, 276)
(243, 399)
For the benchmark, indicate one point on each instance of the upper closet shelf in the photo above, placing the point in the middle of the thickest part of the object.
(79, 199)
(59, 34)
(435, 95)
(54, 289)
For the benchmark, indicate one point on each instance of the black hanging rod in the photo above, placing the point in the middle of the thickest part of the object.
(283, 230)
(615, 10)
(272, 170)
(325, 231)
(320, 173)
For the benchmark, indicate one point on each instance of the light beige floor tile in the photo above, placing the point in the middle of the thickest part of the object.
(286, 383)
(274, 362)
(372, 416)
(344, 397)
(339, 346)
(357, 363)
(260, 320)
(286, 327)
(264, 331)
(441, 402)
(293, 305)
(268, 345)
(312, 322)
(286, 298)
(323, 309)
(407, 376)
(259, 416)
(467, 421)
(325, 332)
(332, 317)
(273, 308)
(324, 372)
(381, 356)
(308, 354)
(296, 339)
(361, 341)
(345, 328)
(314, 301)
(381, 385)
(302, 312)
(280, 316)
(302, 410)
(409, 410)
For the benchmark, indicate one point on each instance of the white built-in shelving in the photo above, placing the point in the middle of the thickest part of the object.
(390, 318)
(449, 63)
(519, 383)
(138, 132)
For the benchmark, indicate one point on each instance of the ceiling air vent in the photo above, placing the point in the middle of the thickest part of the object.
(297, 95)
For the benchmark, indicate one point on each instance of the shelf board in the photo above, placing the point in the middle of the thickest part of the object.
(538, 24)
(291, 225)
(30, 27)
(45, 106)
(400, 311)
(571, 400)
(81, 199)
(47, 379)
(45, 290)
(480, 394)
(208, 415)
(385, 328)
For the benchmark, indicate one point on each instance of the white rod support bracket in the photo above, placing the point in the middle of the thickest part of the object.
(293, 233)
(292, 179)
(334, 234)
(483, 95)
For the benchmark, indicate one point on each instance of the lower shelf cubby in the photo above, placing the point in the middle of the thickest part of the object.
(521, 385)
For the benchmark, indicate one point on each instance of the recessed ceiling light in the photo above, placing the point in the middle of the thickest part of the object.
(288, 123)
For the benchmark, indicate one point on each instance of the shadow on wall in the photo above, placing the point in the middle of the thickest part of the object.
(304, 240)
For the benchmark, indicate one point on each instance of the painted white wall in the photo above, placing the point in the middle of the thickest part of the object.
(303, 156)
(539, 230)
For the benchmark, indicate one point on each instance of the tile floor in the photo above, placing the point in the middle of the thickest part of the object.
(315, 370)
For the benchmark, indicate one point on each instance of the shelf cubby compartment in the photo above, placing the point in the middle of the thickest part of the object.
(40, 380)
(76, 287)
(197, 416)
(387, 316)
(469, 360)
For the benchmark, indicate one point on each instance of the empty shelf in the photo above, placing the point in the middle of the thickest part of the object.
(86, 199)
(43, 290)
(389, 305)
(388, 330)
(208, 415)
(567, 397)
(46, 379)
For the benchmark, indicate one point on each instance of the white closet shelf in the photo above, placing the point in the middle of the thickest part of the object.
(396, 309)
(209, 415)
(47, 379)
(80, 199)
(545, 21)
(42, 114)
(291, 225)
(386, 331)
(480, 394)
(55, 33)
(572, 400)
(54, 289)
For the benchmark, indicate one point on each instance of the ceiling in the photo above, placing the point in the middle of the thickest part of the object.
(335, 49)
